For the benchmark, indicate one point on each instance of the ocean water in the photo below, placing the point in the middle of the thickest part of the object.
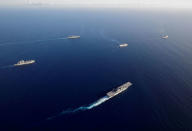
(71, 74)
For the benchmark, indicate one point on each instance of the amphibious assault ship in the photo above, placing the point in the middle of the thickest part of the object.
(119, 89)
(22, 62)
(73, 37)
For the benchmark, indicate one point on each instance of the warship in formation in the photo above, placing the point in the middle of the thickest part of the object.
(165, 37)
(22, 62)
(119, 90)
(123, 45)
(73, 37)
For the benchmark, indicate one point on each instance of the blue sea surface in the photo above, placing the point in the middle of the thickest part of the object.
(70, 73)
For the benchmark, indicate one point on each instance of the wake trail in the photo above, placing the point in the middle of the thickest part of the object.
(116, 41)
(8, 66)
(32, 41)
(82, 108)
(62, 38)
(102, 33)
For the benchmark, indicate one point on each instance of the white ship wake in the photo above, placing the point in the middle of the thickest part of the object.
(109, 95)
(82, 108)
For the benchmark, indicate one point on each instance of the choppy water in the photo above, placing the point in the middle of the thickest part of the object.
(73, 73)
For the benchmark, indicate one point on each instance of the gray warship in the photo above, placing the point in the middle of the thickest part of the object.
(123, 45)
(22, 62)
(73, 37)
(119, 89)
(165, 37)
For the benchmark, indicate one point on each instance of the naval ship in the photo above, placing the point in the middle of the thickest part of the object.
(22, 62)
(123, 45)
(165, 37)
(119, 89)
(73, 37)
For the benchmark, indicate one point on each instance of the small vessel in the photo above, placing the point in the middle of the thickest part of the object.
(119, 90)
(123, 45)
(73, 37)
(22, 62)
(165, 37)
